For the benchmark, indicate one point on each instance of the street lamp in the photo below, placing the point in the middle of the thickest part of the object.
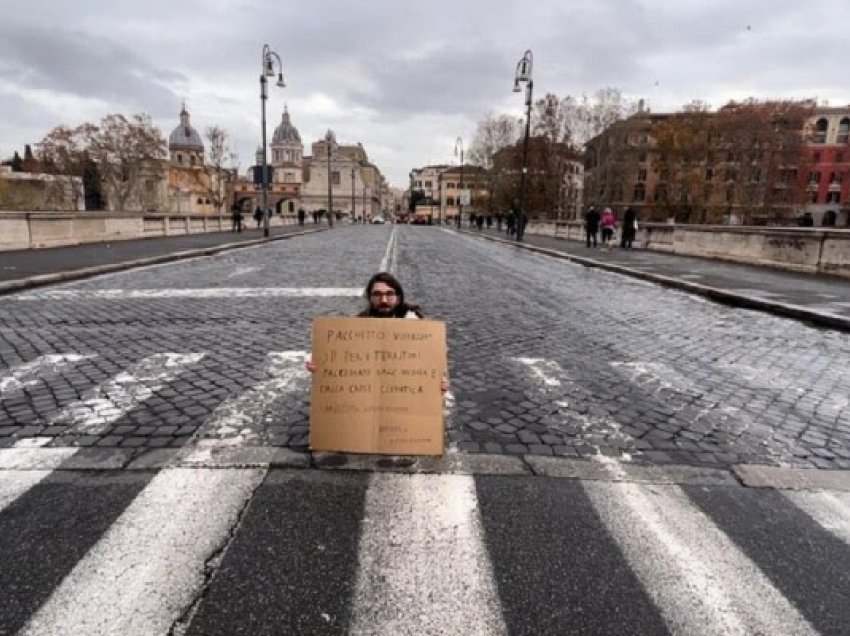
(523, 76)
(270, 60)
(440, 195)
(459, 144)
(353, 207)
(329, 141)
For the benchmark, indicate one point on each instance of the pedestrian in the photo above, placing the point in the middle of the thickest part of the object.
(479, 221)
(301, 216)
(258, 216)
(315, 217)
(236, 217)
(499, 222)
(591, 226)
(509, 223)
(385, 299)
(629, 230)
(609, 222)
(472, 220)
(489, 221)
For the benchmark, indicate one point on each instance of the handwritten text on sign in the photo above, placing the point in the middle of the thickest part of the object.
(376, 388)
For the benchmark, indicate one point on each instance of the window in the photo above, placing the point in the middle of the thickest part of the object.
(179, 158)
(200, 201)
(450, 201)
(418, 184)
(642, 156)
(709, 174)
(843, 131)
(206, 201)
(730, 194)
(820, 131)
(833, 197)
(816, 157)
(835, 177)
(839, 157)
(335, 177)
(429, 184)
(814, 177)
(642, 174)
(730, 174)
(192, 159)
(450, 185)
(639, 192)
(660, 192)
(813, 196)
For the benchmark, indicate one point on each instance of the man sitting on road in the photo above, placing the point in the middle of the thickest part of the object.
(386, 300)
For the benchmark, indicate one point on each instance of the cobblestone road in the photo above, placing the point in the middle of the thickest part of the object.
(547, 357)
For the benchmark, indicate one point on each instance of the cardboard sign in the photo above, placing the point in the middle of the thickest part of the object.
(376, 388)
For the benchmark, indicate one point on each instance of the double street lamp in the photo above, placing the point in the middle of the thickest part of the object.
(271, 60)
(523, 76)
(459, 144)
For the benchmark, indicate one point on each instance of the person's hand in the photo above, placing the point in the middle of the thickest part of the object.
(444, 384)
(311, 366)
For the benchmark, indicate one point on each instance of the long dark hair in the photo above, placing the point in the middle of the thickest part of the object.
(391, 281)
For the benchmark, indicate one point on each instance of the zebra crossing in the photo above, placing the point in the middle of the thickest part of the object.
(195, 547)
(267, 551)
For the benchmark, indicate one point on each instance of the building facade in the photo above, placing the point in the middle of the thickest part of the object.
(828, 180)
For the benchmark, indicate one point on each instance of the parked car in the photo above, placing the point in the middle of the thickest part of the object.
(377, 220)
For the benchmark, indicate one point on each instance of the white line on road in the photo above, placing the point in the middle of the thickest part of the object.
(385, 262)
(209, 292)
(421, 547)
(830, 509)
(29, 373)
(23, 468)
(237, 421)
(699, 579)
(242, 270)
(149, 566)
(105, 403)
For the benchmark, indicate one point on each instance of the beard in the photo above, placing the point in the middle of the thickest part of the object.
(383, 310)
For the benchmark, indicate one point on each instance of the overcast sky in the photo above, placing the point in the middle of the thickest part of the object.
(404, 78)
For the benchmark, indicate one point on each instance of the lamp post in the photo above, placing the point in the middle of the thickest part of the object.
(410, 208)
(523, 76)
(459, 144)
(329, 141)
(440, 194)
(353, 207)
(270, 59)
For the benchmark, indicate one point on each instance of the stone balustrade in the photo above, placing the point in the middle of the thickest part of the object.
(811, 250)
(24, 230)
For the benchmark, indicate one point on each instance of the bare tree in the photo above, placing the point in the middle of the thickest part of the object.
(128, 153)
(493, 134)
(219, 171)
(585, 117)
(63, 152)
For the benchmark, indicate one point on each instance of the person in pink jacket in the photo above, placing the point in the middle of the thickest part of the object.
(609, 222)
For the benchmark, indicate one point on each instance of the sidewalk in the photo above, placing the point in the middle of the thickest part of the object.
(821, 300)
(22, 269)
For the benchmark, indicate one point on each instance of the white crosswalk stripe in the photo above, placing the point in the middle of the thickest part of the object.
(700, 580)
(831, 510)
(107, 402)
(145, 571)
(421, 546)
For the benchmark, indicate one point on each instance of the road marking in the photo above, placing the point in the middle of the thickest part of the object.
(211, 292)
(105, 403)
(592, 430)
(23, 468)
(421, 546)
(29, 373)
(698, 577)
(385, 262)
(238, 420)
(831, 510)
(147, 569)
(241, 270)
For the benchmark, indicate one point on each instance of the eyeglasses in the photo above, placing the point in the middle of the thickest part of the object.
(376, 295)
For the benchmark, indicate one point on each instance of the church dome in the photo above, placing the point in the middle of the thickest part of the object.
(286, 133)
(184, 137)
